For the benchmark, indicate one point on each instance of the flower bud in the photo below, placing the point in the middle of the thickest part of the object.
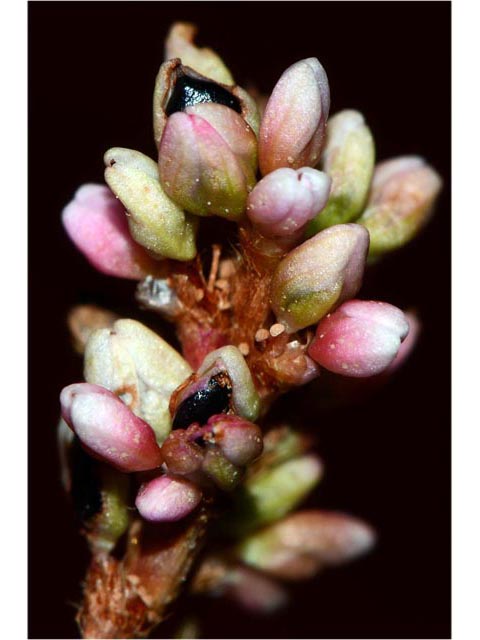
(84, 319)
(96, 224)
(299, 546)
(284, 201)
(360, 339)
(180, 44)
(223, 473)
(239, 441)
(319, 275)
(167, 499)
(270, 494)
(99, 495)
(181, 453)
(155, 222)
(207, 160)
(245, 398)
(142, 369)
(108, 429)
(400, 203)
(178, 87)
(348, 158)
(293, 124)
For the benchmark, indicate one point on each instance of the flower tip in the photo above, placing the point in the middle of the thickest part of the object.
(293, 126)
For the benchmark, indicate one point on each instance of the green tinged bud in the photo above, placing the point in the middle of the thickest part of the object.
(271, 494)
(319, 275)
(155, 222)
(142, 369)
(114, 518)
(348, 159)
(400, 204)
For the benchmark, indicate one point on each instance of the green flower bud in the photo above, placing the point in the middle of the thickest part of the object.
(400, 204)
(319, 275)
(270, 494)
(348, 159)
(155, 222)
(142, 369)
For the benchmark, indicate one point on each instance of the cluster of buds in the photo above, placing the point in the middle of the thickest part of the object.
(304, 209)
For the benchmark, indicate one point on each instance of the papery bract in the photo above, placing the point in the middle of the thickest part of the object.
(180, 44)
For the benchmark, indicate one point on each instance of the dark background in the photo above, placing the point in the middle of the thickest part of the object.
(92, 68)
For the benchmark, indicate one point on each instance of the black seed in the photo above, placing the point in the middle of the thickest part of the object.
(86, 488)
(191, 91)
(201, 405)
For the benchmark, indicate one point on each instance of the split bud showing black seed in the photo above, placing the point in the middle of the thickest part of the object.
(212, 396)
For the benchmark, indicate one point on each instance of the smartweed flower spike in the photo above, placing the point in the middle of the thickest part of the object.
(208, 159)
(142, 369)
(95, 222)
(360, 339)
(292, 130)
(300, 545)
(348, 158)
(401, 202)
(167, 499)
(318, 275)
(284, 201)
(155, 222)
(257, 310)
(108, 429)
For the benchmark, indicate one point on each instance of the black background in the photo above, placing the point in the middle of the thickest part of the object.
(92, 68)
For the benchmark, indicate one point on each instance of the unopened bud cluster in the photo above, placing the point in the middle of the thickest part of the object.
(304, 210)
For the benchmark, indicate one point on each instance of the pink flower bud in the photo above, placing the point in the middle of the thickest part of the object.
(96, 223)
(167, 499)
(284, 201)
(181, 453)
(360, 339)
(108, 429)
(302, 544)
(207, 160)
(293, 125)
(240, 441)
(401, 202)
